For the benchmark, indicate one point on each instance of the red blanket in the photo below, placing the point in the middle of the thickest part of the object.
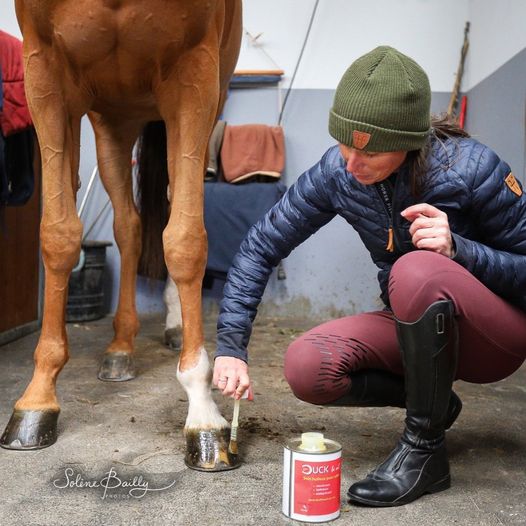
(14, 116)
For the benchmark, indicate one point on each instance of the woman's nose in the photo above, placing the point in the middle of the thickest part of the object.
(353, 162)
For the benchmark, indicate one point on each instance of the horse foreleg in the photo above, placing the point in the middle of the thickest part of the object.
(34, 419)
(188, 105)
(174, 321)
(206, 431)
(114, 151)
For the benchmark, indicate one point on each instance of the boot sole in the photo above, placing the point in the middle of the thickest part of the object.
(438, 486)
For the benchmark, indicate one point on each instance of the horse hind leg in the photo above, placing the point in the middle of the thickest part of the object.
(114, 151)
(33, 424)
(174, 322)
(173, 328)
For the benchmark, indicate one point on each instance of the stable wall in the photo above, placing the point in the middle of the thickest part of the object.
(496, 77)
(331, 273)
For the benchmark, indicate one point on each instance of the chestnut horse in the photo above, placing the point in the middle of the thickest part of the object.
(125, 63)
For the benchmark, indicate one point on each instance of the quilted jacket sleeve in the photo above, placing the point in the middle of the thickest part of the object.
(499, 208)
(301, 211)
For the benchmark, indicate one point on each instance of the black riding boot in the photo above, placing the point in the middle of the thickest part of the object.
(419, 462)
(377, 388)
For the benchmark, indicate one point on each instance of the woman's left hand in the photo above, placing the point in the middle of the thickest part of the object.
(429, 229)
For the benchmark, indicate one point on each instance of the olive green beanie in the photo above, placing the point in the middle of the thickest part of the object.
(382, 103)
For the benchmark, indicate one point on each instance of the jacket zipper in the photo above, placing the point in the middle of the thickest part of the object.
(385, 191)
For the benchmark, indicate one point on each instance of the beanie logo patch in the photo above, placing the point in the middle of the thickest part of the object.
(360, 139)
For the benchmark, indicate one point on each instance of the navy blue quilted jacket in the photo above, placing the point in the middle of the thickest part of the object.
(465, 179)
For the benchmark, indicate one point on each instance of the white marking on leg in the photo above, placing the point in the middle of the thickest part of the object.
(174, 318)
(202, 410)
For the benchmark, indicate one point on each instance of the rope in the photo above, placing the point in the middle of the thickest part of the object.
(299, 60)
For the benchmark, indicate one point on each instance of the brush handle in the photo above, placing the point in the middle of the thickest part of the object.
(235, 422)
(235, 417)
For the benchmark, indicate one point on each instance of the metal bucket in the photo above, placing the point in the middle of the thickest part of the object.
(86, 283)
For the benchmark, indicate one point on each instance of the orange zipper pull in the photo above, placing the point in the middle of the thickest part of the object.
(390, 240)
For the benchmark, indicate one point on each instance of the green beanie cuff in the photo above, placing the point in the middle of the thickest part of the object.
(381, 140)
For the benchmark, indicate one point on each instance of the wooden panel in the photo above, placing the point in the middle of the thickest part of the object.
(19, 259)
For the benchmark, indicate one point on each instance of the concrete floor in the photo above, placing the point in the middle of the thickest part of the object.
(135, 427)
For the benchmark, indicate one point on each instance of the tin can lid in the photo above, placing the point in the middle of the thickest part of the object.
(295, 444)
(312, 442)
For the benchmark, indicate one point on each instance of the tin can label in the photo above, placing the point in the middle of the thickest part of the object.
(311, 484)
(317, 487)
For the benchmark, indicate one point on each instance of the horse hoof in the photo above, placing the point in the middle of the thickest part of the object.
(207, 450)
(173, 338)
(117, 367)
(29, 429)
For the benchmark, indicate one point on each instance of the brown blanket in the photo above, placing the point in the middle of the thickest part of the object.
(252, 149)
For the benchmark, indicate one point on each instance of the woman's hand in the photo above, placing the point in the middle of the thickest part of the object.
(231, 376)
(430, 229)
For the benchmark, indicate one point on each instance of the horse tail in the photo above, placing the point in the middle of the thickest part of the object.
(152, 200)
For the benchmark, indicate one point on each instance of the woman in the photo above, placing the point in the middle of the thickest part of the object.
(445, 221)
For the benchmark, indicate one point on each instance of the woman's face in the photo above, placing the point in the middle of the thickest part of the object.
(370, 167)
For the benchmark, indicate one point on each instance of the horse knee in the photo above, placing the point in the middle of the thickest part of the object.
(61, 244)
(185, 253)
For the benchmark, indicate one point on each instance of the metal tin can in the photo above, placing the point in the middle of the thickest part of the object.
(312, 478)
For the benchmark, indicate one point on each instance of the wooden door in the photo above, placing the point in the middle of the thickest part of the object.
(19, 264)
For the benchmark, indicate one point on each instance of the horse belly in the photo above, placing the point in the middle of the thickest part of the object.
(90, 32)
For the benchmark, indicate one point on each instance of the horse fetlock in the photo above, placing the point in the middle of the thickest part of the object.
(203, 414)
(173, 338)
(202, 410)
(50, 357)
(120, 345)
(126, 326)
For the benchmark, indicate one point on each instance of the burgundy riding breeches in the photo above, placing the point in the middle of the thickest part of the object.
(492, 332)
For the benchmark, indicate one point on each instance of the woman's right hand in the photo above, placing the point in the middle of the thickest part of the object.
(231, 376)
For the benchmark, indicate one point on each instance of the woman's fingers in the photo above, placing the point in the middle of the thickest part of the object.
(425, 209)
(242, 386)
(231, 376)
(429, 228)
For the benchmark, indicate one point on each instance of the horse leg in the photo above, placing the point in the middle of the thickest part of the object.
(33, 424)
(114, 152)
(173, 329)
(188, 102)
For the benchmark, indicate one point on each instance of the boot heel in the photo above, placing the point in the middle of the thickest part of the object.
(441, 485)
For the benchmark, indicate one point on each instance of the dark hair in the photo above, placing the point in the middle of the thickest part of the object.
(152, 201)
(443, 128)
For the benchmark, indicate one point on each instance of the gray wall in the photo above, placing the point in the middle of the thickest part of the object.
(496, 113)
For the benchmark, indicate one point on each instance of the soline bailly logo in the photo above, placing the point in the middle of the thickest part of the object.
(111, 484)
